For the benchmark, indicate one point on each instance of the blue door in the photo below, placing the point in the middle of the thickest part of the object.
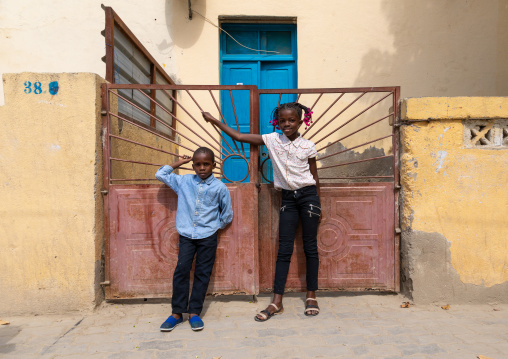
(233, 73)
(243, 66)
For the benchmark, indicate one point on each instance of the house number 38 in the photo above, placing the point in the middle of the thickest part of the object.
(37, 88)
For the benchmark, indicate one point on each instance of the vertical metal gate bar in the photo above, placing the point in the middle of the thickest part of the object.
(254, 177)
(396, 184)
(106, 167)
(236, 118)
(254, 129)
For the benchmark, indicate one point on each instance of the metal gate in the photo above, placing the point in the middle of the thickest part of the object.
(357, 239)
(146, 126)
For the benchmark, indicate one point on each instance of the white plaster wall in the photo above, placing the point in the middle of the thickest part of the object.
(65, 35)
(429, 48)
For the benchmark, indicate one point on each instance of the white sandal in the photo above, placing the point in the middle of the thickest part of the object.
(311, 308)
(265, 314)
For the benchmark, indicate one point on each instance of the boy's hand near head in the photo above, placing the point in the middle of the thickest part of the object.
(185, 159)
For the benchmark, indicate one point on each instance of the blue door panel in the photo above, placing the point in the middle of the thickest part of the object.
(234, 73)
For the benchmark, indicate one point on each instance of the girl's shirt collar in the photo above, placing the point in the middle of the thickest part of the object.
(298, 142)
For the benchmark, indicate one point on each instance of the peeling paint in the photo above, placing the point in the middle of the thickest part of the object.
(441, 155)
(381, 167)
(462, 196)
(428, 275)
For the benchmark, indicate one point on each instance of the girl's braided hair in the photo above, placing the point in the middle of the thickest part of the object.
(298, 107)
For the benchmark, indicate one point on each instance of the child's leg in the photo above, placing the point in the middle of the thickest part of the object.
(288, 222)
(181, 277)
(310, 211)
(205, 258)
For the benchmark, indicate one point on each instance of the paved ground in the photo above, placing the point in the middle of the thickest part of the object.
(349, 326)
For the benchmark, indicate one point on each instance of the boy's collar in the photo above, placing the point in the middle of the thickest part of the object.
(208, 180)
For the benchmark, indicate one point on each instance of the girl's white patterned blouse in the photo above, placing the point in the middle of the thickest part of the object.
(290, 160)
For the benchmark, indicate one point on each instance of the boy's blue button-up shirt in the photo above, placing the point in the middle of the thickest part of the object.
(204, 206)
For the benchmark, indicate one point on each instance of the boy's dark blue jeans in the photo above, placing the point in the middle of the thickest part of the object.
(302, 204)
(204, 249)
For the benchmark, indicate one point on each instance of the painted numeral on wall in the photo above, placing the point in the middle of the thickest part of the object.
(37, 88)
(28, 87)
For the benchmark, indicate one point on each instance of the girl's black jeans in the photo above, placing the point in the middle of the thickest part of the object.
(302, 204)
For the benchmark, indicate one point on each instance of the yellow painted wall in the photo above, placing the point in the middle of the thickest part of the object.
(51, 218)
(458, 192)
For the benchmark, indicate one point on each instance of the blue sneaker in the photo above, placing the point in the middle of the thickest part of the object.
(170, 323)
(196, 323)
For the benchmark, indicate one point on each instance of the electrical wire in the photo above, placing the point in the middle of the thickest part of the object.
(221, 29)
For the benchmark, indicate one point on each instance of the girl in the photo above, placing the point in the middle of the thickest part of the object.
(295, 173)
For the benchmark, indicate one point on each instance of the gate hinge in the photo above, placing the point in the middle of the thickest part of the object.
(104, 112)
(104, 191)
(398, 230)
(397, 186)
(105, 283)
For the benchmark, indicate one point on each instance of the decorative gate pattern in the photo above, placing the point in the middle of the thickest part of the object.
(146, 126)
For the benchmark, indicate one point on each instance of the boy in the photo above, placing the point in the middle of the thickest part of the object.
(204, 207)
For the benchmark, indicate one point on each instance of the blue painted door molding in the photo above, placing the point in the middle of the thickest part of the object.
(267, 70)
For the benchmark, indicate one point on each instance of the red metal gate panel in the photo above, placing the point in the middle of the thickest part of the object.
(356, 135)
(142, 131)
(355, 239)
(143, 248)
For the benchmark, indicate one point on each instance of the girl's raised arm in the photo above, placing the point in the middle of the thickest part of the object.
(234, 134)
